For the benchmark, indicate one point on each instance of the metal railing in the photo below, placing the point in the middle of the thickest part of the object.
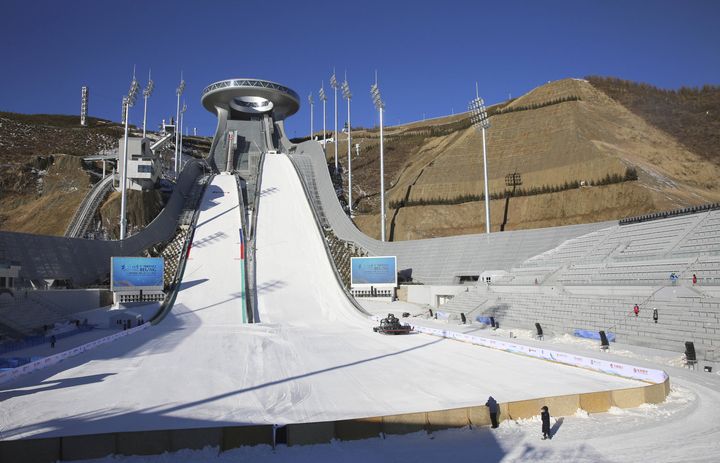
(328, 252)
(84, 214)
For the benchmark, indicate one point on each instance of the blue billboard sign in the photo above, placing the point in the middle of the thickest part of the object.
(373, 271)
(137, 273)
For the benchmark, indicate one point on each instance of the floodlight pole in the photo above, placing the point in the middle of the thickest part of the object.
(310, 100)
(334, 85)
(182, 117)
(380, 105)
(487, 195)
(179, 92)
(382, 178)
(123, 177)
(128, 102)
(323, 98)
(146, 94)
(479, 119)
(348, 96)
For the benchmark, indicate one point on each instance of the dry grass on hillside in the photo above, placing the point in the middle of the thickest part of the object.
(142, 207)
(45, 202)
(691, 115)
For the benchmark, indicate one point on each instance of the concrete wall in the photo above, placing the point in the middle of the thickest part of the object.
(427, 294)
(225, 438)
(86, 262)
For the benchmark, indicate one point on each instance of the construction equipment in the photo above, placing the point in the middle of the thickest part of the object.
(391, 325)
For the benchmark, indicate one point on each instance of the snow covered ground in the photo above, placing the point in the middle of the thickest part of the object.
(313, 357)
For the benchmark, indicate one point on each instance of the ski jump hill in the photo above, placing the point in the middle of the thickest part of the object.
(260, 342)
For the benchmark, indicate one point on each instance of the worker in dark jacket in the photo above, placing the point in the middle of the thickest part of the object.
(493, 408)
(545, 417)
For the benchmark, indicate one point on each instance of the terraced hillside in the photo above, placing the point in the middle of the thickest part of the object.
(40, 189)
(590, 157)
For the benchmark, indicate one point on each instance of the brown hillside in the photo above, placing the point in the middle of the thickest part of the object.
(40, 191)
(44, 201)
(690, 115)
(564, 131)
(142, 207)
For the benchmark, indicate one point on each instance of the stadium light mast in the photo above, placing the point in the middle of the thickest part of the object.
(312, 104)
(380, 105)
(146, 94)
(334, 85)
(479, 120)
(323, 98)
(348, 96)
(84, 96)
(182, 117)
(128, 102)
(179, 92)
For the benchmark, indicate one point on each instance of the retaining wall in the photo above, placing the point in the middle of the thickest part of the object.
(229, 437)
(224, 438)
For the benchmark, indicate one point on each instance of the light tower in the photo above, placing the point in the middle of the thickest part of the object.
(312, 103)
(323, 98)
(128, 102)
(380, 105)
(182, 116)
(479, 120)
(84, 96)
(348, 96)
(146, 94)
(179, 92)
(334, 85)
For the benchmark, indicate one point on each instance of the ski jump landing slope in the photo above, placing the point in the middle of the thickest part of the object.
(312, 357)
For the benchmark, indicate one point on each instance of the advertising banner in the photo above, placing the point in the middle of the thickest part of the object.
(14, 373)
(373, 271)
(604, 366)
(137, 273)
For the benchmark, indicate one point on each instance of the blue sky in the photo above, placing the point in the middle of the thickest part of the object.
(428, 54)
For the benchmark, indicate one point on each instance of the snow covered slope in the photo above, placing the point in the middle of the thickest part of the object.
(312, 358)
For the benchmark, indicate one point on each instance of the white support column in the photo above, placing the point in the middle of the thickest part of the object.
(123, 180)
(382, 180)
(487, 194)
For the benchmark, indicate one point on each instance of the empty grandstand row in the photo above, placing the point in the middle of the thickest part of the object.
(261, 336)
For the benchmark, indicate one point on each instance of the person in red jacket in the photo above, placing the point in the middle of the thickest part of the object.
(694, 279)
(636, 310)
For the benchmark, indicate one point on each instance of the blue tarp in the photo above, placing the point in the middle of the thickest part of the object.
(485, 320)
(593, 335)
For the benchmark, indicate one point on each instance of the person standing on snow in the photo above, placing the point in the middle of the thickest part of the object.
(636, 310)
(494, 408)
(545, 417)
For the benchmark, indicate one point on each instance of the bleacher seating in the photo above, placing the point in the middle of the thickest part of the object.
(27, 315)
(342, 253)
(704, 239)
(592, 282)
(570, 250)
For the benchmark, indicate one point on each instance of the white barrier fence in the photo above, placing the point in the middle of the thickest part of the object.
(14, 373)
(604, 366)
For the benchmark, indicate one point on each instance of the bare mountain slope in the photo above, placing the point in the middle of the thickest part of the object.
(562, 132)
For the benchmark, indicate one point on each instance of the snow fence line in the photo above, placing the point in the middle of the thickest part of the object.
(14, 373)
(604, 366)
